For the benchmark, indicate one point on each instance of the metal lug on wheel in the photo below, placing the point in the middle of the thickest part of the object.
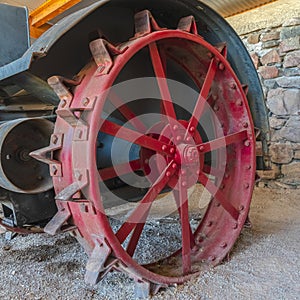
(102, 52)
(222, 48)
(63, 214)
(245, 88)
(57, 83)
(188, 24)
(145, 23)
(97, 261)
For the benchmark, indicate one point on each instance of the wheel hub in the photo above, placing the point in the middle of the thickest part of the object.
(187, 155)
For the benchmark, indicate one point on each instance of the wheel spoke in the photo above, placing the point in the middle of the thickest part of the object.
(222, 142)
(201, 101)
(140, 214)
(162, 82)
(177, 200)
(127, 112)
(121, 169)
(134, 137)
(217, 193)
(181, 198)
(134, 240)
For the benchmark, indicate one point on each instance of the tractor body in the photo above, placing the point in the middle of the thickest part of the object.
(76, 141)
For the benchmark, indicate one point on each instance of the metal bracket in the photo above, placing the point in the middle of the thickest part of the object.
(56, 142)
(145, 24)
(55, 224)
(102, 52)
(57, 84)
(188, 24)
(81, 177)
(81, 131)
(144, 289)
(222, 48)
(96, 263)
(245, 89)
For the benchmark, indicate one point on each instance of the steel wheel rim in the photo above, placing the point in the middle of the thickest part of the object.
(93, 194)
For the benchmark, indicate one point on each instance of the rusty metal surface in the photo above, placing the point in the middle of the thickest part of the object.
(228, 8)
(174, 136)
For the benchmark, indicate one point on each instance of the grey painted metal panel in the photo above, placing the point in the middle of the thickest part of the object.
(14, 37)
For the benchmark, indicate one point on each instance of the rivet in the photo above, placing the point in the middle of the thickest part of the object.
(223, 245)
(79, 134)
(146, 161)
(164, 148)
(172, 150)
(210, 55)
(183, 172)
(216, 108)
(178, 138)
(175, 127)
(215, 97)
(247, 143)
(200, 239)
(63, 103)
(246, 185)
(54, 139)
(198, 172)
(54, 170)
(226, 176)
(209, 224)
(239, 102)
(168, 174)
(192, 129)
(100, 69)
(221, 66)
(86, 101)
(184, 184)
(188, 139)
(78, 175)
(201, 148)
(174, 166)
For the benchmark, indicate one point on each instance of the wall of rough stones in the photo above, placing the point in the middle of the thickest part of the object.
(276, 55)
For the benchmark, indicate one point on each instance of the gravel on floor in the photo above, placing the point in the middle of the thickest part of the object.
(264, 264)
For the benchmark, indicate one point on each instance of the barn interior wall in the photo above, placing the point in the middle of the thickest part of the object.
(272, 36)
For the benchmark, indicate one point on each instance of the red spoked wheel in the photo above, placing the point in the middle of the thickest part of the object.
(155, 125)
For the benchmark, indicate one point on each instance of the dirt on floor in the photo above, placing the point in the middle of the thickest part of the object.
(265, 263)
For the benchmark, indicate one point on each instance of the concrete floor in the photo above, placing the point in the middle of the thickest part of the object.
(265, 263)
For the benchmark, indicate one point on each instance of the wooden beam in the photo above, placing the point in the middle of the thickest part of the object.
(46, 12)
(37, 32)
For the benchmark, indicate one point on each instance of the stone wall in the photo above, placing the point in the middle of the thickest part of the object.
(276, 55)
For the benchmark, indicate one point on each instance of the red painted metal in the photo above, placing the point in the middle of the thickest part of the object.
(184, 156)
